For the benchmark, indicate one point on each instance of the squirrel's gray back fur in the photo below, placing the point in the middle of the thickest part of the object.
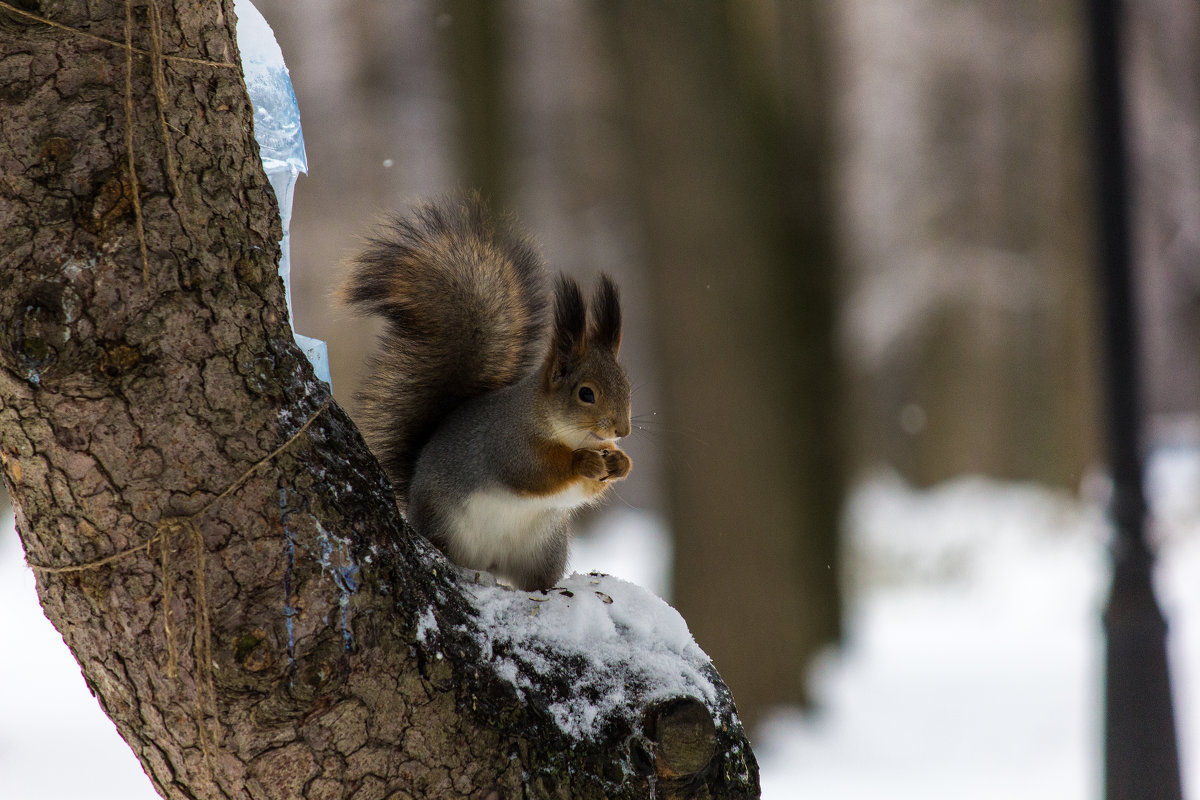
(464, 298)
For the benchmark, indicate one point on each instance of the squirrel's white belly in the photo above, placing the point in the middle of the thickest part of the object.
(495, 526)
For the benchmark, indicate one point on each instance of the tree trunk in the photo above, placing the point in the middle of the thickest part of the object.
(210, 535)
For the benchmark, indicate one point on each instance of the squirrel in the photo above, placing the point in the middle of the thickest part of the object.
(493, 421)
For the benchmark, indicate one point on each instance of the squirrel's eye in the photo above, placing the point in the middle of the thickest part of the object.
(586, 394)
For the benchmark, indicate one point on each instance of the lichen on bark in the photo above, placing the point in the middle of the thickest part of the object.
(210, 534)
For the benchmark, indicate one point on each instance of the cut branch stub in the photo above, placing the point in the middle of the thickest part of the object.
(684, 737)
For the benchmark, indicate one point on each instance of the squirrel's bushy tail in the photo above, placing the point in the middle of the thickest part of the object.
(464, 299)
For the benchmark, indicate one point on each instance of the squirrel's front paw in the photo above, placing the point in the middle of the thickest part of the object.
(617, 464)
(602, 465)
(590, 464)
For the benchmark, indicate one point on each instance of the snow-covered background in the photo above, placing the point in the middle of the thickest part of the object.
(971, 667)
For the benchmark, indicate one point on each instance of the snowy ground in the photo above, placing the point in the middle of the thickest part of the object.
(971, 668)
(973, 662)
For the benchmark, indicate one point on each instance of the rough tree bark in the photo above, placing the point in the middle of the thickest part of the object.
(209, 533)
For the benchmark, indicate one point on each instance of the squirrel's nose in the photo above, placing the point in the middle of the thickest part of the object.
(621, 429)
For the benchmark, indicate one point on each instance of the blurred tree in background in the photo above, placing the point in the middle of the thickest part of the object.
(730, 153)
(759, 176)
(474, 49)
(1164, 65)
(969, 310)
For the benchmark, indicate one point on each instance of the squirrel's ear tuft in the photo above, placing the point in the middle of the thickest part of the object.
(567, 340)
(606, 316)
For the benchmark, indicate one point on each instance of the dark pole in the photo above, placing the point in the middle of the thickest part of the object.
(1141, 756)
